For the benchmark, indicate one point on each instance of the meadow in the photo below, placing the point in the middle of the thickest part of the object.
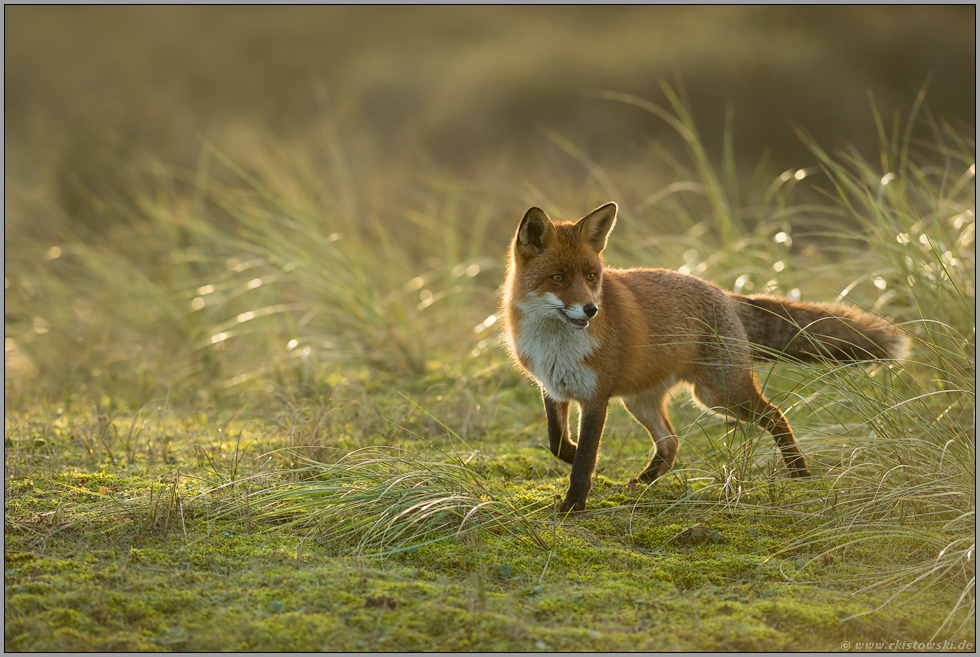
(255, 397)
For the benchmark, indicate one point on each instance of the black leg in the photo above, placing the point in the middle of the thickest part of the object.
(558, 434)
(589, 434)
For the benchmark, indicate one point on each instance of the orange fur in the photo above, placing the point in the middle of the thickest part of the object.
(589, 333)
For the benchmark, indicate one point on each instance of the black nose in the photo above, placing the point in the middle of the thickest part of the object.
(590, 309)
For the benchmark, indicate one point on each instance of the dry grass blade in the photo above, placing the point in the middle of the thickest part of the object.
(380, 501)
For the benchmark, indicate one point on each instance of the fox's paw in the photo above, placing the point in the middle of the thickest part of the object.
(645, 478)
(567, 506)
(635, 484)
(567, 453)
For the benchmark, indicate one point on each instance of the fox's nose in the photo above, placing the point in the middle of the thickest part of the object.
(590, 309)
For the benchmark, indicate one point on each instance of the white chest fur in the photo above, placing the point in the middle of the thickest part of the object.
(554, 352)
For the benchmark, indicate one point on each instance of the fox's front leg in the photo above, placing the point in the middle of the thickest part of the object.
(558, 434)
(589, 433)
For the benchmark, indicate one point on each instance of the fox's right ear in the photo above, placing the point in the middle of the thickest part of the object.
(534, 233)
(595, 226)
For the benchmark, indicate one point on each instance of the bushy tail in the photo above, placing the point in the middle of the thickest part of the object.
(817, 331)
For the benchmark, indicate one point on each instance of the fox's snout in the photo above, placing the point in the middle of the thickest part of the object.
(577, 316)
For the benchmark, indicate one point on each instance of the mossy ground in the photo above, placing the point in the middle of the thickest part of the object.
(117, 537)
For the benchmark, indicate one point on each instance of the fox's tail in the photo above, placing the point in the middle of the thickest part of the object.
(817, 331)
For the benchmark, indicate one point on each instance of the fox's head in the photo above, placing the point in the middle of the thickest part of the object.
(558, 265)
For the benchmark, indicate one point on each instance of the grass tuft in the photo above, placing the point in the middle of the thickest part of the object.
(382, 501)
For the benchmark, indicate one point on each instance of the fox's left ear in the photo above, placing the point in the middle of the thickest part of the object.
(534, 234)
(595, 226)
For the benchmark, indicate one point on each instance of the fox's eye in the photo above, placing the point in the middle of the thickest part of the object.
(590, 277)
(558, 278)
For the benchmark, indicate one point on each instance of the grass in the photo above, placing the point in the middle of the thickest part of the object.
(264, 409)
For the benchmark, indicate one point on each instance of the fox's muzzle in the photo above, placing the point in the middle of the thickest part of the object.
(571, 315)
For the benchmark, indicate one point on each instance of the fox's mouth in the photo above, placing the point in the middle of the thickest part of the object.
(575, 323)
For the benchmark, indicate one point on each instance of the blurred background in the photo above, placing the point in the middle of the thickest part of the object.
(175, 176)
(461, 88)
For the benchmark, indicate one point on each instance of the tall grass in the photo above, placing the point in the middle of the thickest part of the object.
(260, 270)
(911, 474)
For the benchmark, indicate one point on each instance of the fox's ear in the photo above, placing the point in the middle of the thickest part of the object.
(594, 227)
(534, 233)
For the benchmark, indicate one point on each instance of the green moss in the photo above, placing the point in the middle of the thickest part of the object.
(673, 567)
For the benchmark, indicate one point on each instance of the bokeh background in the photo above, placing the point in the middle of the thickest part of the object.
(178, 179)
(467, 89)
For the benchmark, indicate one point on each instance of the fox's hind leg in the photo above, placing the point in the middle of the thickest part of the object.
(738, 393)
(650, 409)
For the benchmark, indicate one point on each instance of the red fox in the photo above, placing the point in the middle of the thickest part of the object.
(588, 333)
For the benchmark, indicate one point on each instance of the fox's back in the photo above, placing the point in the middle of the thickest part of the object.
(655, 323)
(670, 298)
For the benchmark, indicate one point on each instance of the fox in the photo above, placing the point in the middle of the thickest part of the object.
(590, 334)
